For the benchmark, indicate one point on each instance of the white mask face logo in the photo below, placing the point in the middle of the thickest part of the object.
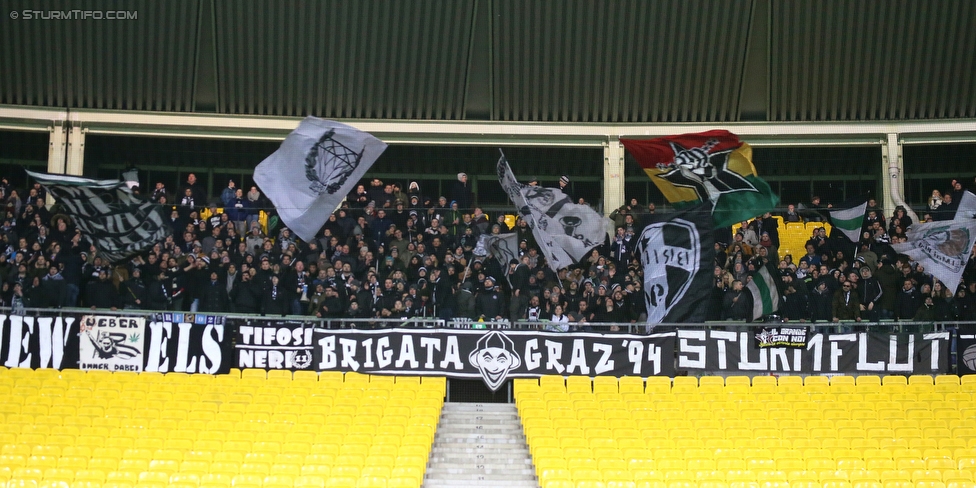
(495, 357)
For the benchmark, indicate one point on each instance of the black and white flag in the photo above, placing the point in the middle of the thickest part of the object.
(117, 221)
(504, 247)
(316, 166)
(565, 231)
(943, 248)
(677, 256)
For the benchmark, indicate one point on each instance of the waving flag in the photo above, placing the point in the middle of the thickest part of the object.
(765, 295)
(313, 170)
(118, 222)
(849, 220)
(504, 247)
(565, 231)
(713, 166)
(677, 256)
(967, 206)
(942, 248)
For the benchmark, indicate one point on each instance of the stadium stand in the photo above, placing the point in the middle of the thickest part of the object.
(793, 236)
(734, 432)
(246, 429)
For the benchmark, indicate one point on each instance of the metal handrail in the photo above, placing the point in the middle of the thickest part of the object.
(460, 323)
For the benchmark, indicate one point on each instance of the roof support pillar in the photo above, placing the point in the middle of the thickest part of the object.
(613, 175)
(56, 151)
(57, 148)
(76, 151)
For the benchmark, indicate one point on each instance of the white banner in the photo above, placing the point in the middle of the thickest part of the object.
(111, 343)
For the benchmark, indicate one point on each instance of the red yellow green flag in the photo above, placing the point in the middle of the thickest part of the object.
(710, 166)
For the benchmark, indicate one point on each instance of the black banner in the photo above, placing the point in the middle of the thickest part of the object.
(200, 343)
(966, 350)
(854, 353)
(493, 356)
(273, 344)
(187, 343)
(39, 341)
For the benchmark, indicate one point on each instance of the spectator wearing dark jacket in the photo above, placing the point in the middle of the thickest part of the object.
(737, 304)
(890, 280)
(197, 195)
(160, 292)
(871, 292)
(846, 304)
(461, 193)
(134, 292)
(35, 296)
(245, 295)
(55, 288)
(820, 303)
(101, 293)
(793, 303)
(213, 295)
(331, 306)
(237, 211)
(926, 311)
(907, 301)
(275, 300)
(490, 303)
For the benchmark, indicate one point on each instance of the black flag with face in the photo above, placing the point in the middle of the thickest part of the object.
(677, 253)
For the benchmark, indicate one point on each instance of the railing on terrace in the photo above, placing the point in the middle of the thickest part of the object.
(889, 326)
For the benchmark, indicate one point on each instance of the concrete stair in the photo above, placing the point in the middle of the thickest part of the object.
(480, 444)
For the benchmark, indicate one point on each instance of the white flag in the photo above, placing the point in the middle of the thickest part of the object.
(313, 170)
(849, 221)
(967, 206)
(942, 248)
(565, 231)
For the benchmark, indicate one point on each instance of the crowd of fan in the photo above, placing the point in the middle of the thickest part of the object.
(389, 253)
(836, 280)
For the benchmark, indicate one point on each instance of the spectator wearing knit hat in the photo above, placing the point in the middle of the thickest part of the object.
(565, 186)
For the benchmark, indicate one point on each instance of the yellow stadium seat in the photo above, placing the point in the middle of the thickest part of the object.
(559, 483)
(605, 384)
(552, 383)
(309, 481)
(579, 384)
(648, 483)
(959, 483)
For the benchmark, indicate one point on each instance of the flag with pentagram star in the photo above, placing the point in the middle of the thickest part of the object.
(713, 166)
(317, 165)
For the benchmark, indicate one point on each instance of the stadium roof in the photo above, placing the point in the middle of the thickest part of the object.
(639, 61)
